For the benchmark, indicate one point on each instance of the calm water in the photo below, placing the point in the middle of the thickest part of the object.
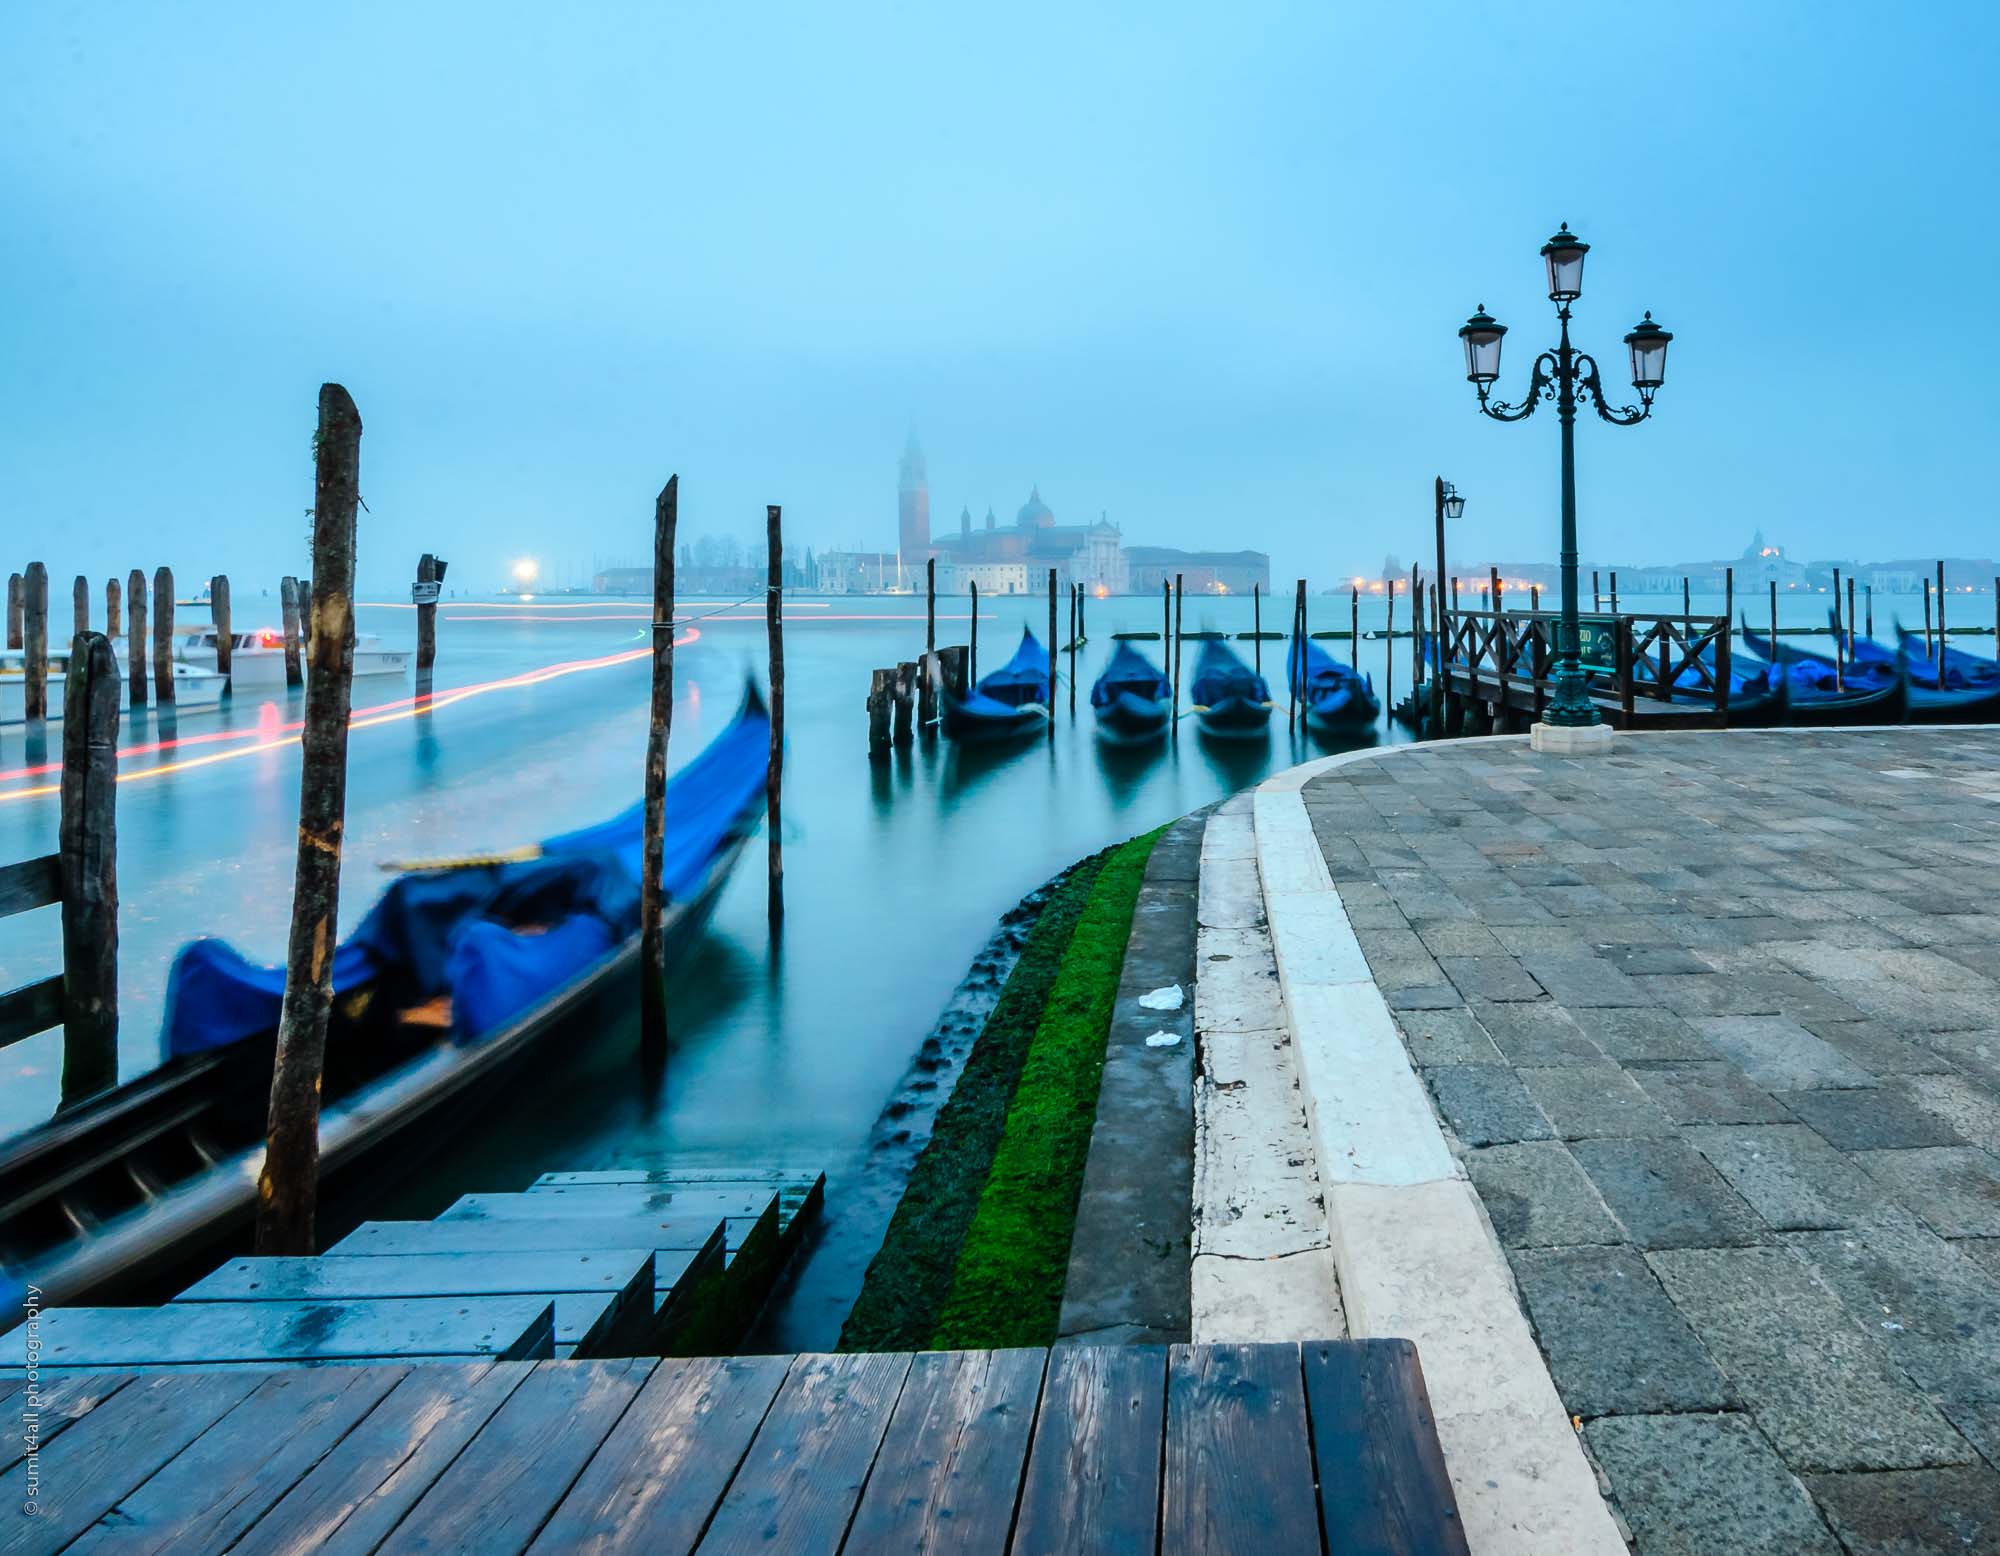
(895, 871)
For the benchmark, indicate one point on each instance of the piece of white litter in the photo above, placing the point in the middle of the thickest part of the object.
(1169, 998)
(1163, 1039)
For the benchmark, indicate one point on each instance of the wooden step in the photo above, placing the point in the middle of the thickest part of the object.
(201, 1333)
(801, 1191)
(603, 1298)
(629, 1200)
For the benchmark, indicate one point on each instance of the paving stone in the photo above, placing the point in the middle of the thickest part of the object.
(1825, 1393)
(1779, 1054)
(1446, 1037)
(1705, 1485)
(1937, 1311)
(1789, 1175)
(1913, 1512)
(1453, 937)
(1705, 994)
(1543, 938)
(1486, 1104)
(1980, 1423)
(1428, 996)
(1969, 1107)
(1537, 1196)
(1653, 959)
(1714, 1093)
(1643, 1035)
(1539, 1034)
(1615, 1344)
(1982, 1251)
(1880, 1120)
(1667, 1195)
(1490, 978)
(1956, 1189)
(1595, 1100)
(1585, 982)
(1877, 1049)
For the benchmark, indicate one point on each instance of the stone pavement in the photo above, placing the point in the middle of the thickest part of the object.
(1714, 1025)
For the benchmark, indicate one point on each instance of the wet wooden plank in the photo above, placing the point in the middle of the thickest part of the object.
(349, 1501)
(1093, 1481)
(545, 1234)
(32, 1008)
(633, 1202)
(1239, 1471)
(951, 1463)
(799, 1483)
(30, 883)
(62, 1400)
(85, 1471)
(1383, 1485)
(510, 1477)
(193, 1333)
(690, 1175)
(665, 1466)
(227, 1478)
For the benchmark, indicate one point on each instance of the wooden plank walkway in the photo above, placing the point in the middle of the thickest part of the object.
(1227, 1449)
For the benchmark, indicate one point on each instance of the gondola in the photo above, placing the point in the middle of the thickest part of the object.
(1336, 696)
(1970, 693)
(1231, 700)
(1821, 694)
(1132, 700)
(1960, 668)
(1010, 703)
(456, 977)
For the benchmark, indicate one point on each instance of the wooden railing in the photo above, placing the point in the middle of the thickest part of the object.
(1512, 653)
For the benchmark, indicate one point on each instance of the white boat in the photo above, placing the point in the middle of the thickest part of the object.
(257, 659)
(195, 689)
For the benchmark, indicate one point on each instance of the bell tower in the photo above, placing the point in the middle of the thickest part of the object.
(913, 506)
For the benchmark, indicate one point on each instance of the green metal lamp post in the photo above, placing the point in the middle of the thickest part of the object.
(1566, 375)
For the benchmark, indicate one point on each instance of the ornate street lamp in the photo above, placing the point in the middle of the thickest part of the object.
(1566, 375)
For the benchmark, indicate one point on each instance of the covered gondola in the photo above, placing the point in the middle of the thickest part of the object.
(1009, 704)
(1822, 693)
(1336, 696)
(456, 977)
(1231, 700)
(1132, 700)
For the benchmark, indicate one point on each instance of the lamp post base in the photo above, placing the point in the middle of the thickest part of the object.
(1571, 739)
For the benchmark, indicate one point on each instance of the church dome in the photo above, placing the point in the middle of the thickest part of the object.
(1035, 514)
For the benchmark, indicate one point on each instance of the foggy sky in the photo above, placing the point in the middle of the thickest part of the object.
(1199, 268)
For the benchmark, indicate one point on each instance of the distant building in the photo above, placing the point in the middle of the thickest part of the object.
(1089, 554)
(862, 572)
(623, 580)
(992, 577)
(913, 506)
(1200, 572)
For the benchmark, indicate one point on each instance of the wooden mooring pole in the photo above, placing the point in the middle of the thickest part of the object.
(1868, 604)
(1354, 626)
(1614, 594)
(1180, 619)
(426, 594)
(137, 674)
(1295, 662)
(1839, 638)
(35, 643)
(1596, 596)
(972, 642)
(16, 596)
(774, 769)
(1941, 636)
(288, 1190)
(1850, 615)
(653, 849)
(88, 865)
(1167, 628)
(288, 611)
(881, 698)
(1389, 651)
(163, 637)
(927, 686)
(114, 615)
(225, 633)
(1052, 655)
(1256, 630)
(1774, 621)
(1687, 596)
(1928, 653)
(1072, 650)
(79, 605)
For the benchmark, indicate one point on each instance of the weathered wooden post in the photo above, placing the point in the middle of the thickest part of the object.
(1072, 650)
(1839, 643)
(1354, 626)
(1687, 596)
(79, 605)
(163, 637)
(1082, 598)
(16, 596)
(88, 864)
(1052, 656)
(972, 642)
(1256, 630)
(774, 770)
(288, 1190)
(1868, 604)
(1180, 627)
(305, 612)
(927, 690)
(1534, 597)
(1850, 615)
(1389, 650)
(1774, 621)
(904, 688)
(225, 635)
(1596, 597)
(951, 669)
(1724, 649)
(425, 595)
(35, 643)
(1295, 664)
(1941, 637)
(288, 608)
(881, 697)
(114, 615)
(1928, 653)
(653, 851)
(1614, 594)
(136, 672)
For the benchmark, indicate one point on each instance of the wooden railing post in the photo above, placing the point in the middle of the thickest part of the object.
(1623, 638)
(35, 643)
(653, 852)
(225, 635)
(137, 674)
(163, 637)
(774, 771)
(288, 1190)
(288, 610)
(88, 855)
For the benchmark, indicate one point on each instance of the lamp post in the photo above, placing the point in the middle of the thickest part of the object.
(1566, 375)
(1449, 505)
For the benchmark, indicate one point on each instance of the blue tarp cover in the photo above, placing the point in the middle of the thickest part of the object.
(1022, 679)
(1220, 675)
(1130, 673)
(455, 932)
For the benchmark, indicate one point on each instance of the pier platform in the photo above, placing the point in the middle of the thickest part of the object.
(1276, 1449)
(1656, 1098)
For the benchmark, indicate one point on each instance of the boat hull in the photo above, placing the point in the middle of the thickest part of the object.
(1877, 705)
(977, 727)
(1131, 721)
(1234, 718)
(195, 691)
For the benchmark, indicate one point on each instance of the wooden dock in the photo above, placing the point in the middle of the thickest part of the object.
(1226, 1449)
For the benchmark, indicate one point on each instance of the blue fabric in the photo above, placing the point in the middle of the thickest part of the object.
(1220, 675)
(1022, 679)
(1332, 690)
(1961, 670)
(1130, 674)
(454, 931)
